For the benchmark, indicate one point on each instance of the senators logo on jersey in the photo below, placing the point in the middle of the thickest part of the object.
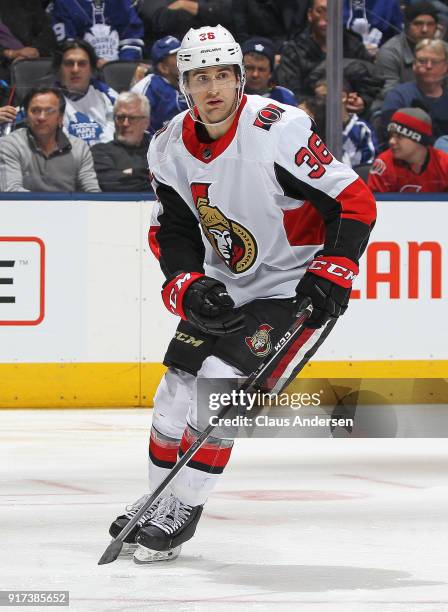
(260, 343)
(268, 115)
(232, 242)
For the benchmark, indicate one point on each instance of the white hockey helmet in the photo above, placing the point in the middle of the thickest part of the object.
(209, 46)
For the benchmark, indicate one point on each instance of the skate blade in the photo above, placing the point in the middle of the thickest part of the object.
(128, 549)
(144, 555)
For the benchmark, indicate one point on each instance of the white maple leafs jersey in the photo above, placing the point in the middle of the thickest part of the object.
(252, 208)
(90, 116)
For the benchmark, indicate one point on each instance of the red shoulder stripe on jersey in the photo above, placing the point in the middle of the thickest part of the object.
(207, 152)
(304, 225)
(153, 242)
(357, 202)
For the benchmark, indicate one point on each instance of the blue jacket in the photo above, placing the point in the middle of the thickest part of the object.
(384, 15)
(78, 19)
(282, 94)
(164, 99)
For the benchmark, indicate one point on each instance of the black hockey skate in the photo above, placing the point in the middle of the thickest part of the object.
(172, 524)
(129, 544)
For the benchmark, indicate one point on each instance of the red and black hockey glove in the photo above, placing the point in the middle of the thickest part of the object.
(204, 302)
(328, 284)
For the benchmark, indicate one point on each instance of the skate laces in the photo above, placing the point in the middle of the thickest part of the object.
(132, 509)
(171, 514)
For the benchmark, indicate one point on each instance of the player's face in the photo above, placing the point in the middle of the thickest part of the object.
(43, 115)
(403, 148)
(76, 72)
(430, 66)
(317, 17)
(214, 92)
(130, 123)
(258, 72)
(423, 26)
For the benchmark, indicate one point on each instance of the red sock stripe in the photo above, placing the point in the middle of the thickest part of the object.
(163, 450)
(209, 455)
(292, 352)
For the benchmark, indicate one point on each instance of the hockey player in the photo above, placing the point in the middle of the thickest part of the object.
(254, 215)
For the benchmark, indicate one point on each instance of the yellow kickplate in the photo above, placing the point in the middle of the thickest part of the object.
(120, 385)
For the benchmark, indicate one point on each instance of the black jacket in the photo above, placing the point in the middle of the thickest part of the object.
(160, 21)
(28, 21)
(274, 19)
(301, 55)
(120, 167)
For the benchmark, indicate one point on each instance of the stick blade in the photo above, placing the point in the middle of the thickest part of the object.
(111, 552)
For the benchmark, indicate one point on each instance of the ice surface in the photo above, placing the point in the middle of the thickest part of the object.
(318, 525)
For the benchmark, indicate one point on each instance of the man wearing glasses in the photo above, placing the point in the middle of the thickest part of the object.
(428, 91)
(121, 165)
(41, 157)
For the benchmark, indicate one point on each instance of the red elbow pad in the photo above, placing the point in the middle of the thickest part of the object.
(174, 290)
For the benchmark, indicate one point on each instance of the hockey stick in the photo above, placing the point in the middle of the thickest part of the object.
(259, 377)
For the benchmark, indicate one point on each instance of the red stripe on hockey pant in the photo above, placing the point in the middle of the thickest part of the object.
(339, 270)
(209, 456)
(173, 292)
(153, 242)
(292, 352)
(357, 202)
(163, 450)
(304, 225)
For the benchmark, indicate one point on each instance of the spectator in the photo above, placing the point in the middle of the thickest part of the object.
(376, 21)
(112, 27)
(410, 164)
(277, 20)
(396, 57)
(176, 17)
(41, 157)
(259, 58)
(364, 79)
(161, 88)
(89, 102)
(121, 165)
(25, 33)
(428, 91)
(309, 49)
(442, 12)
(359, 142)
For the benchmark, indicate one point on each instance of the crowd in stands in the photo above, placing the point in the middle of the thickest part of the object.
(103, 79)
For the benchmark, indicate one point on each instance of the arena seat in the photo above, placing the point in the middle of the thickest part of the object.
(29, 73)
(118, 74)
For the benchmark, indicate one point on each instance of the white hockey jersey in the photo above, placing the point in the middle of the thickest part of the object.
(90, 116)
(252, 208)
